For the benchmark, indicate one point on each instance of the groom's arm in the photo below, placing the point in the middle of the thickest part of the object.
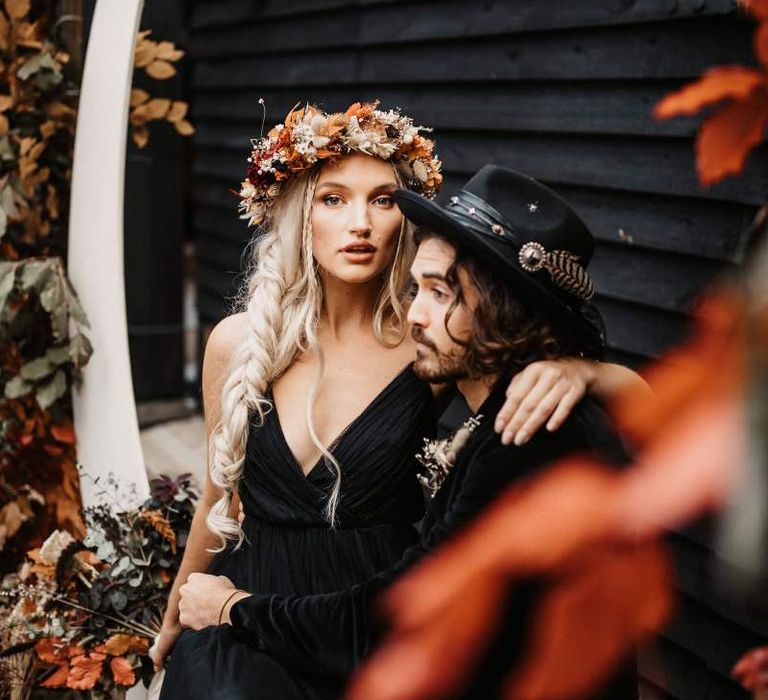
(332, 633)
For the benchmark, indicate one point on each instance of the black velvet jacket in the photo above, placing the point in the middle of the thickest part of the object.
(330, 634)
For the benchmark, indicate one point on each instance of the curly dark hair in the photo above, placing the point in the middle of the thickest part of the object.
(507, 332)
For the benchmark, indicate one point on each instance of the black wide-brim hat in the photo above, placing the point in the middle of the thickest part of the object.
(532, 237)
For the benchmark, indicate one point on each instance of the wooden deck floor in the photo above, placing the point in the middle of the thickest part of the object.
(176, 447)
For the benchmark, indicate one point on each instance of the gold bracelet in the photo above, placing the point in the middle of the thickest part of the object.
(221, 612)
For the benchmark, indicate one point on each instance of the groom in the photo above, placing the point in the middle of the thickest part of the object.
(501, 279)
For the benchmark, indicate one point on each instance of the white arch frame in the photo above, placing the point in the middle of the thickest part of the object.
(106, 424)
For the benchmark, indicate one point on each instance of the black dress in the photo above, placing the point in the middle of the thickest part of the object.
(290, 548)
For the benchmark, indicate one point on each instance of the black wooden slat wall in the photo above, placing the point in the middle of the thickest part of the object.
(561, 90)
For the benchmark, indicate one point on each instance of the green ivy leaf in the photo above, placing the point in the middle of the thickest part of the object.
(51, 390)
(58, 355)
(80, 350)
(36, 369)
(7, 277)
(17, 387)
(34, 274)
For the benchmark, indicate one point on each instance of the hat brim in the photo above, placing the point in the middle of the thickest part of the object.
(503, 256)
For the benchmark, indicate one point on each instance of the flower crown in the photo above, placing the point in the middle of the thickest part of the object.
(309, 135)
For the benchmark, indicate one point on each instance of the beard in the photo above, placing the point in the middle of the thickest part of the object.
(434, 366)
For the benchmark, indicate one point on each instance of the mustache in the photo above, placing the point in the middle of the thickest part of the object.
(418, 335)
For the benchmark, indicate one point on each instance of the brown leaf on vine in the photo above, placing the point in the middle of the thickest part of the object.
(160, 70)
(17, 9)
(158, 107)
(167, 51)
(146, 52)
(122, 671)
(140, 136)
(184, 128)
(138, 97)
(177, 112)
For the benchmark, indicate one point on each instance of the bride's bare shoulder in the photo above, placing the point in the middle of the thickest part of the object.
(224, 340)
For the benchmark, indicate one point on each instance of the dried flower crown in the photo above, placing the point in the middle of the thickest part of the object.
(309, 135)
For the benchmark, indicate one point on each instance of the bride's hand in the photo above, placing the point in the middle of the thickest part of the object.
(544, 392)
(163, 644)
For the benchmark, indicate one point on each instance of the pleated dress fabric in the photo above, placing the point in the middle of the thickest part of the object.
(290, 548)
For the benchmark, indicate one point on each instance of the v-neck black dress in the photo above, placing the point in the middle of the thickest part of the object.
(291, 549)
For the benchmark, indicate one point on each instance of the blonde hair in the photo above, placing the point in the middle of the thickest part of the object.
(283, 300)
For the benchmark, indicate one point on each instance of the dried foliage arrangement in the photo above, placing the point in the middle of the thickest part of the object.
(37, 120)
(156, 58)
(81, 612)
(42, 344)
(43, 349)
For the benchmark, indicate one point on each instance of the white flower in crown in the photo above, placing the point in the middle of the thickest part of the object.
(438, 456)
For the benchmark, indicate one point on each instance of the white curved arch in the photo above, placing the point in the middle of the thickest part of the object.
(106, 425)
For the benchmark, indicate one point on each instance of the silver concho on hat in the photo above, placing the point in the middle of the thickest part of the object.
(532, 256)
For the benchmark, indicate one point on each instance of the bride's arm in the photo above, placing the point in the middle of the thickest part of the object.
(219, 350)
(547, 391)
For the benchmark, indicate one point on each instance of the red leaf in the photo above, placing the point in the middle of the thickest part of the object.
(726, 138)
(58, 679)
(85, 672)
(53, 450)
(122, 671)
(48, 650)
(717, 84)
(760, 43)
(759, 8)
(63, 433)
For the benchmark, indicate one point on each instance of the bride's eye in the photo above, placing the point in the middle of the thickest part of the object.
(332, 200)
(385, 200)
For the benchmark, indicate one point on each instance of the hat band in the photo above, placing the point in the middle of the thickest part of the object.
(562, 266)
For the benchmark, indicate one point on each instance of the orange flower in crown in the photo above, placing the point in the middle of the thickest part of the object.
(308, 135)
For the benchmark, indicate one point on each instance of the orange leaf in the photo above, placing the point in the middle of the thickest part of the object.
(146, 52)
(58, 679)
(726, 138)
(184, 128)
(138, 97)
(167, 50)
(177, 112)
(122, 671)
(723, 83)
(48, 650)
(119, 644)
(158, 107)
(160, 70)
(85, 672)
(759, 8)
(17, 9)
(141, 136)
(760, 43)
(63, 433)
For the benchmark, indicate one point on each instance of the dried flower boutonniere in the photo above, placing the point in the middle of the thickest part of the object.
(438, 456)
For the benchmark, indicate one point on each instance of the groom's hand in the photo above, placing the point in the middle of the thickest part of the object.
(202, 599)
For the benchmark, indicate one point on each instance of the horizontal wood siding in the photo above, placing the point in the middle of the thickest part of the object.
(560, 90)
